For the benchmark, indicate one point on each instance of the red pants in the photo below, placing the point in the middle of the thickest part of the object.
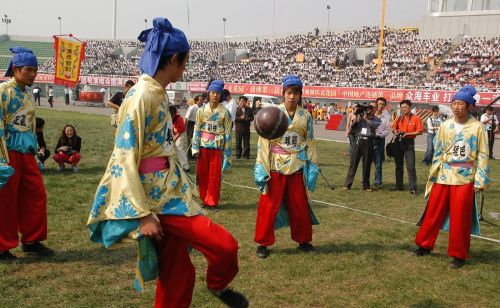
(177, 273)
(458, 200)
(291, 188)
(208, 173)
(61, 158)
(23, 203)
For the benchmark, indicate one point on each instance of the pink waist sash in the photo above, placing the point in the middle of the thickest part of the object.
(468, 164)
(153, 164)
(207, 135)
(279, 150)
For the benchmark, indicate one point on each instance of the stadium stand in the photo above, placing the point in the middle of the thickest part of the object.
(331, 59)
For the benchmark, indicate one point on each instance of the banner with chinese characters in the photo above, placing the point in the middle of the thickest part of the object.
(69, 52)
(355, 94)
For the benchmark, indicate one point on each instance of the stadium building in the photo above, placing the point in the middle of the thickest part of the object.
(449, 18)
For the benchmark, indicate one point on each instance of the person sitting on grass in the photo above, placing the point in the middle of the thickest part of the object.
(68, 148)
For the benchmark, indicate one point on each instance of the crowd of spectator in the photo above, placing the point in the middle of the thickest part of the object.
(325, 59)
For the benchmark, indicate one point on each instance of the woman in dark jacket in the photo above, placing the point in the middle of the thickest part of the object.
(68, 148)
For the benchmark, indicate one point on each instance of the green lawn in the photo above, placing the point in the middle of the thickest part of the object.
(363, 260)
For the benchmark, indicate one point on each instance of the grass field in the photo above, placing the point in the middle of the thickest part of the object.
(363, 260)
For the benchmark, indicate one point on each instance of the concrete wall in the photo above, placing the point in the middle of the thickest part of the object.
(450, 26)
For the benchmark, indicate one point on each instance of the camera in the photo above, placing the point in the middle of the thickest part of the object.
(361, 108)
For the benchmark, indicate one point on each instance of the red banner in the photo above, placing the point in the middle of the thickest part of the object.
(362, 94)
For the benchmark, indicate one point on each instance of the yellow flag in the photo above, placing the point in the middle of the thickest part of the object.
(70, 53)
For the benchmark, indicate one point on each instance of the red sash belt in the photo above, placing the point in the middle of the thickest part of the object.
(279, 150)
(208, 135)
(153, 164)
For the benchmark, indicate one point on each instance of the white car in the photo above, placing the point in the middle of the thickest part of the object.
(265, 100)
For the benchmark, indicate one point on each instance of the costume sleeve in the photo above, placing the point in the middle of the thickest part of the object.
(262, 167)
(6, 171)
(195, 142)
(312, 170)
(482, 177)
(228, 131)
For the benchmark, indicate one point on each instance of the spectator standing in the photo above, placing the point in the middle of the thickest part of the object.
(407, 127)
(364, 128)
(66, 95)
(37, 94)
(68, 147)
(379, 140)
(179, 137)
(51, 97)
(116, 101)
(490, 120)
(229, 103)
(432, 126)
(244, 116)
(190, 120)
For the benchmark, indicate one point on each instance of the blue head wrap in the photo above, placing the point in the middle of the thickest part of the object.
(216, 86)
(22, 57)
(161, 40)
(292, 80)
(466, 94)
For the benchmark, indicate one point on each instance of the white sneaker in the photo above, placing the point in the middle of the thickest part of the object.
(75, 169)
(60, 168)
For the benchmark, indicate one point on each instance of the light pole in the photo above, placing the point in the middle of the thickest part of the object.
(60, 25)
(7, 21)
(146, 22)
(328, 8)
(224, 20)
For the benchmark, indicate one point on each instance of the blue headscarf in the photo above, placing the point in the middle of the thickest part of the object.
(466, 94)
(161, 40)
(216, 86)
(22, 57)
(292, 80)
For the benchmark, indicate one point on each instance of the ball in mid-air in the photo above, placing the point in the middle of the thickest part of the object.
(271, 123)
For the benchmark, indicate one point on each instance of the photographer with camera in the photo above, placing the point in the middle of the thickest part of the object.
(68, 148)
(363, 128)
(406, 128)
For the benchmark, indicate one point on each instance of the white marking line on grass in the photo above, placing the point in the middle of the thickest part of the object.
(364, 212)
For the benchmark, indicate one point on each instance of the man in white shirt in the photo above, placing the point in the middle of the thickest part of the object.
(433, 123)
(66, 95)
(230, 104)
(190, 120)
(51, 97)
(490, 121)
(379, 141)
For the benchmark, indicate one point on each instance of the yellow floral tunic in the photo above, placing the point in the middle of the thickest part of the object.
(217, 122)
(124, 195)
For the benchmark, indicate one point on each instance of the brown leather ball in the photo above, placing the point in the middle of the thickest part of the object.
(271, 123)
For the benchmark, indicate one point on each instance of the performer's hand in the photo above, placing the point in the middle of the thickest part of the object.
(151, 227)
(196, 155)
(478, 189)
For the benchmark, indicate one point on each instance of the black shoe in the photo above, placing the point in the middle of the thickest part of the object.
(187, 170)
(413, 192)
(232, 298)
(420, 252)
(38, 249)
(456, 263)
(7, 256)
(262, 252)
(307, 248)
(397, 189)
